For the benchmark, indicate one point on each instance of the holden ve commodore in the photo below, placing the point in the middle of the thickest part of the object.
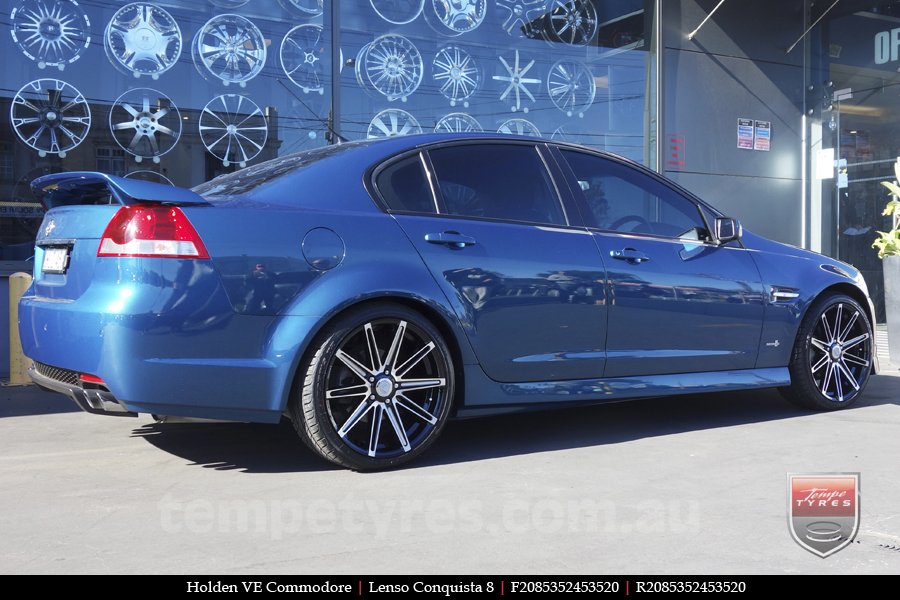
(373, 290)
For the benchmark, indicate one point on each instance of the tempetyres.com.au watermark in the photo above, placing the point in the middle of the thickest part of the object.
(281, 518)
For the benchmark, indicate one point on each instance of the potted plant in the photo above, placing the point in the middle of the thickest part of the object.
(888, 245)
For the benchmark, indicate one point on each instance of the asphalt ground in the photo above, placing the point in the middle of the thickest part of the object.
(691, 485)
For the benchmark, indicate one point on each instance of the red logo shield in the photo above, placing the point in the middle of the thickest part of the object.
(823, 510)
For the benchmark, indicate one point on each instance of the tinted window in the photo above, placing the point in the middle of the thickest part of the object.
(620, 198)
(497, 181)
(403, 186)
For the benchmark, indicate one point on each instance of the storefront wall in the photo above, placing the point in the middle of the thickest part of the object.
(150, 89)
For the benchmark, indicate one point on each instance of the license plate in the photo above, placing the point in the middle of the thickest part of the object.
(55, 260)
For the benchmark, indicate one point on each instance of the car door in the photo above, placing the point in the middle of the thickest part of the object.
(679, 303)
(489, 223)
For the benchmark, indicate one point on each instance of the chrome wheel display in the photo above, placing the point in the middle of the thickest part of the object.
(53, 33)
(457, 123)
(305, 8)
(229, 48)
(517, 82)
(391, 65)
(571, 87)
(303, 57)
(391, 123)
(560, 134)
(229, 3)
(571, 22)
(151, 176)
(145, 123)
(233, 128)
(521, 18)
(385, 388)
(840, 353)
(143, 39)
(50, 116)
(457, 73)
(455, 17)
(519, 127)
(398, 12)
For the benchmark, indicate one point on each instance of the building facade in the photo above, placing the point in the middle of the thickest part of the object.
(780, 112)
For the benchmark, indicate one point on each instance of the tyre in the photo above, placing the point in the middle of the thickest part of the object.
(833, 355)
(377, 388)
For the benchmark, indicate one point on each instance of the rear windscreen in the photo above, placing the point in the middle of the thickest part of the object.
(247, 180)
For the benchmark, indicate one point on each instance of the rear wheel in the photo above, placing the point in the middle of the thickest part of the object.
(832, 357)
(377, 389)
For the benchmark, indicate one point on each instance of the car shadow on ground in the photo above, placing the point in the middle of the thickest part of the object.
(277, 449)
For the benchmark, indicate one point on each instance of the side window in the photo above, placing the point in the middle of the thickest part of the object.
(497, 181)
(622, 199)
(403, 186)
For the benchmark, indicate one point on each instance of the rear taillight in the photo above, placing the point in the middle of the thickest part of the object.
(151, 230)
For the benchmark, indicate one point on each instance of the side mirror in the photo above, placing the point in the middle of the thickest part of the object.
(728, 230)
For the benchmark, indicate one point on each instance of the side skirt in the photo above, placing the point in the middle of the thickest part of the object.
(485, 396)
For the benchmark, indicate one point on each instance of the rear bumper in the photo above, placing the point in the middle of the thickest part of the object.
(89, 398)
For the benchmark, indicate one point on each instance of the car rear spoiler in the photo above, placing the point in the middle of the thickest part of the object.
(88, 187)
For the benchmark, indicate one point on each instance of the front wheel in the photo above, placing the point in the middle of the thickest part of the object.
(832, 357)
(377, 390)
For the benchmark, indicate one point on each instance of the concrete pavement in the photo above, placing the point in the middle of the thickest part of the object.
(691, 485)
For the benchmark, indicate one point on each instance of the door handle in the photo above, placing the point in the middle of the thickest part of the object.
(629, 254)
(454, 239)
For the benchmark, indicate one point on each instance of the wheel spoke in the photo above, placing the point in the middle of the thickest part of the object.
(855, 341)
(361, 410)
(846, 330)
(835, 334)
(823, 346)
(842, 366)
(403, 401)
(394, 350)
(375, 431)
(348, 392)
(856, 360)
(354, 365)
(821, 363)
(374, 355)
(408, 385)
(394, 418)
(827, 378)
(838, 387)
(827, 327)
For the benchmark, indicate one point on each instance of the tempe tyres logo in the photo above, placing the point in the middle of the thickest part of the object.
(823, 510)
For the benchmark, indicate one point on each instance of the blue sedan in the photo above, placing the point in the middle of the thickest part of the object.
(371, 291)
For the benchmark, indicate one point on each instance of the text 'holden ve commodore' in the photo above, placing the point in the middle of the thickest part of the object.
(371, 291)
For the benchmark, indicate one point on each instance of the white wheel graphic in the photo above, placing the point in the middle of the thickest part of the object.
(398, 12)
(229, 48)
(52, 33)
(571, 22)
(233, 129)
(50, 116)
(142, 39)
(522, 18)
(516, 81)
(391, 123)
(151, 176)
(145, 123)
(303, 57)
(229, 3)
(454, 17)
(571, 87)
(305, 8)
(561, 135)
(457, 74)
(391, 65)
(458, 123)
(519, 127)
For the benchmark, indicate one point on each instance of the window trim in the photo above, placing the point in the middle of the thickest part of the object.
(557, 150)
